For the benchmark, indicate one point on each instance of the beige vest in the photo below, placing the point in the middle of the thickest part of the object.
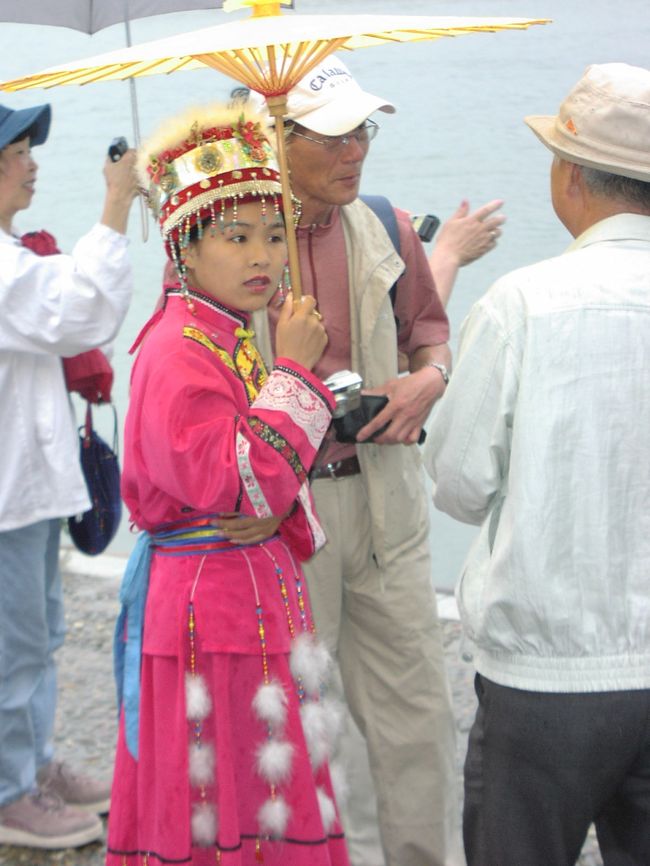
(392, 474)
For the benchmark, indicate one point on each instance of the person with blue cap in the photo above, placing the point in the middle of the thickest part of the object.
(51, 306)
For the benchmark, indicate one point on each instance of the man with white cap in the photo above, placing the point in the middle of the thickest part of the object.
(51, 306)
(370, 586)
(543, 440)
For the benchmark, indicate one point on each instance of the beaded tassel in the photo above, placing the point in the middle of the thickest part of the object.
(274, 813)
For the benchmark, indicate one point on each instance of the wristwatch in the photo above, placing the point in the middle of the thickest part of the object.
(443, 370)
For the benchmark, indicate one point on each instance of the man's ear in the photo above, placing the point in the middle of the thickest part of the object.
(575, 182)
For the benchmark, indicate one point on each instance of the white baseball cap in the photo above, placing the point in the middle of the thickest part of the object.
(329, 101)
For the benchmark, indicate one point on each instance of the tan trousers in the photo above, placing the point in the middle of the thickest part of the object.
(383, 627)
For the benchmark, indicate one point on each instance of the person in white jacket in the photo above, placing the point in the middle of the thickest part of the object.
(51, 307)
(543, 440)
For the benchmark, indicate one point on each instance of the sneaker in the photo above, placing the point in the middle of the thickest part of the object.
(75, 789)
(43, 820)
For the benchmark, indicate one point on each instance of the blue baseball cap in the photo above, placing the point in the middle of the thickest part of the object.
(13, 123)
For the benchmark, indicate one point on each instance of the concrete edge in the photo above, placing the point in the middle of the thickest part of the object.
(111, 566)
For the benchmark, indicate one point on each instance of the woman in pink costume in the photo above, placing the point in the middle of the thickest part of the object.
(225, 731)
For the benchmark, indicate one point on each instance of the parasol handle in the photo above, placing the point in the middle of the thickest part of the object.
(278, 109)
(144, 216)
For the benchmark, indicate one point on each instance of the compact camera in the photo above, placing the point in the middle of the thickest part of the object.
(353, 409)
(117, 148)
(425, 225)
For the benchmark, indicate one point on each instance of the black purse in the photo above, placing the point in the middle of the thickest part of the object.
(93, 530)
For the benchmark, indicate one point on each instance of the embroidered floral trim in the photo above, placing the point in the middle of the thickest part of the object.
(199, 337)
(286, 391)
(250, 482)
(245, 362)
(305, 500)
(279, 443)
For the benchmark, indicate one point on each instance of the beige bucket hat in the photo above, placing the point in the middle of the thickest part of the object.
(604, 122)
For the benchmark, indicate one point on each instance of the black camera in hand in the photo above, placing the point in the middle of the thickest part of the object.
(353, 409)
(117, 148)
(425, 226)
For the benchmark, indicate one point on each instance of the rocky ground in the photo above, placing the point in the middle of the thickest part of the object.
(86, 727)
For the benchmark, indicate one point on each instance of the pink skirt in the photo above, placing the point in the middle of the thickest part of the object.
(228, 772)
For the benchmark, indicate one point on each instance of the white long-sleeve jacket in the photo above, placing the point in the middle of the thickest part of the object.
(543, 439)
(51, 307)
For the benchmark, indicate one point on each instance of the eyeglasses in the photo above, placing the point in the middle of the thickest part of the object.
(363, 135)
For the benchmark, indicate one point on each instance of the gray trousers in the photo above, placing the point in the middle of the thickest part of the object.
(383, 627)
(32, 626)
(541, 767)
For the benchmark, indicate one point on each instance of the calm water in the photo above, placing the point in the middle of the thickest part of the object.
(458, 133)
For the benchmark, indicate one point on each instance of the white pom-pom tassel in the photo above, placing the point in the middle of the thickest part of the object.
(322, 660)
(309, 662)
(201, 764)
(270, 704)
(273, 817)
(274, 761)
(339, 783)
(327, 809)
(204, 824)
(197, 698)
(314, 726)
(333, 713)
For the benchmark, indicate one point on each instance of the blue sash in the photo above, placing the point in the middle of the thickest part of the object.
(192, 537)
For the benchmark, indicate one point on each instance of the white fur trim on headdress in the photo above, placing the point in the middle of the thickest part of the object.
(176, 130)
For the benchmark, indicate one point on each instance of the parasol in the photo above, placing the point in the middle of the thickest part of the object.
(268, 52)
(88, 16)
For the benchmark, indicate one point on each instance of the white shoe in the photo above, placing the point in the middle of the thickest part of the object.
(43, 820)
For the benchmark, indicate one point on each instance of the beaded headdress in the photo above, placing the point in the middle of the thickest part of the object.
(202, 162)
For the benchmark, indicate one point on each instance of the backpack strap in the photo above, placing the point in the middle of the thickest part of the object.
(383, 210)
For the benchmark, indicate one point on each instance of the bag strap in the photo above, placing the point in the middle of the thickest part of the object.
(88, 427)
(383, 210)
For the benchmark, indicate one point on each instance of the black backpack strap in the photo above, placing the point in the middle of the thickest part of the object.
(383, 210)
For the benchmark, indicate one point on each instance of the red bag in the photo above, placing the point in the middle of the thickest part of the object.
(89, 373)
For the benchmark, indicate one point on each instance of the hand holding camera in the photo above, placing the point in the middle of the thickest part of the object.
(355, 410)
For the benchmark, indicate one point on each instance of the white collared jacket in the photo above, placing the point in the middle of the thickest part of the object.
(51, 307)
(543, 439)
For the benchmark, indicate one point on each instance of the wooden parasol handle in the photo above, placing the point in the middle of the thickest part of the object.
(278, 109)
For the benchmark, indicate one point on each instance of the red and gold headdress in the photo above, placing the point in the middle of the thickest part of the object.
(202, 162)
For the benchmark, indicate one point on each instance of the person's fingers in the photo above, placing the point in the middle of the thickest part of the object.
(286, 310)
(307, 306)
(488, 209)
(461, 211)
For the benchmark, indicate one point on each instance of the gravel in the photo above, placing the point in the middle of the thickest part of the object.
(87, 723)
